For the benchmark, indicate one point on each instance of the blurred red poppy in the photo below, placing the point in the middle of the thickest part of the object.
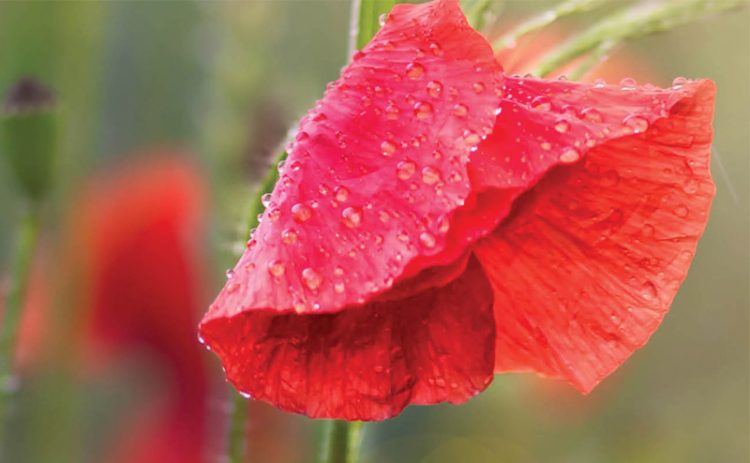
(437, 221)
(138, 229)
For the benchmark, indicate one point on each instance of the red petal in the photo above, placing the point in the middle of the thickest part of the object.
(368, 363)
(588, 262)
(376, 170)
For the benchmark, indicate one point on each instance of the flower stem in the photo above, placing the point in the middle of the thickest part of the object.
(543, 20)
(638, 21)
(342, 441)
(28, 233)
(237, 426)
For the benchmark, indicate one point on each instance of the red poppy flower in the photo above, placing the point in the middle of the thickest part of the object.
(437, 222)
(138, 228)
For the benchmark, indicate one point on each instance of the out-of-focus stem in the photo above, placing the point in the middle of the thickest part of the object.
(237, 442)
(595, 58)
(635, 22)
(543, 20)
(342, 441)
(28, 233)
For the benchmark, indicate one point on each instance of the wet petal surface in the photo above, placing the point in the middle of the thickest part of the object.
(589, 260)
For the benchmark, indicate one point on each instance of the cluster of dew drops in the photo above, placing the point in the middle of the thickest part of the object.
(352, 216)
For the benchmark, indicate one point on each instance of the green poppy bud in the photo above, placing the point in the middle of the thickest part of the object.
(28, 125)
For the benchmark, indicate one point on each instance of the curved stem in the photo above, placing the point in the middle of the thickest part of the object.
(543, 20)
(342, 441)
(641, 20)
(28, 233)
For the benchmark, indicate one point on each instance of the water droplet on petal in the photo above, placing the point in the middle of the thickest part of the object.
(435, 49)
(323, 189)
(422, 110)
(427, 240)
(342, 194)
(414, 71)
(681, 211)
(273, 214)
(276, 268)
(289, 236)
(541, 103)
(229, 273)
(338, 271)
(472, 139)
(591, 115)
(570, 155)
(391, 112)
(352, 217)
(628, 83)
(434, 89)
(339, 287)
(387, 148)
(430, 175)
(265, 199)
(405, 169)
(478, 87)
(312, 278)
(460, 110)
(301, 212)
(678, 82)
(636, 123)
(562, 126)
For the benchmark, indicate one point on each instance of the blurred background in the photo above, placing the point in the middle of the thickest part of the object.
(170, 113)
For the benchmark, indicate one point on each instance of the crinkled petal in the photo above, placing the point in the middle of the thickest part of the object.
(368, 363)
(590, 258)
(376, 170)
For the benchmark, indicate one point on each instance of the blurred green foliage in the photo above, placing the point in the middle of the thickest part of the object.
(226, 80)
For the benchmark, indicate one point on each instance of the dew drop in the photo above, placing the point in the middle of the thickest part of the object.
(387, 148)
(545, 145)
(435, 89)
(591, 115)
(265, 199)
(478, 87)
(339, 287)
(352, 217)
(636, 123)
(323, 189)
(678, 82)
(628, 83)
(422, 110)
(289, 236)
(338, 271)
(273, 214)
(460, 110)
(430, 175)
(312, 278)
(681, 211)
(414, 71)
(342, 194)
(391, 112)
(384, 216)
(435, 49)
(570, 155)
(229, 273)
(276, 268)
(562, 126)
(405, 169)
(541, 103)
(649, 291)
(471, 139)
(427, 239)
(301, 212)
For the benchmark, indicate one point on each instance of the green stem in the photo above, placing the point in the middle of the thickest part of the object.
(596, 57)
(543, 20)
(635, 22)
(237, 443)
(342, 441)
(28, 233)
